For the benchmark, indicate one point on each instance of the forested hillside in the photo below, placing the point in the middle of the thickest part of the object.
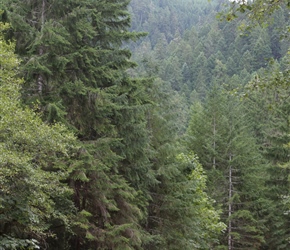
(228, 68)
(148, 124)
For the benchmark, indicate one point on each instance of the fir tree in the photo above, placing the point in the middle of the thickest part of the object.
(181, 215)
(270, 108)
(218, 133)
(75, 66)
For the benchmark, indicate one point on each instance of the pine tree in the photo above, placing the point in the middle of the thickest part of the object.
(181, 215)
(269, 103)
(219, 135)
(75, 65)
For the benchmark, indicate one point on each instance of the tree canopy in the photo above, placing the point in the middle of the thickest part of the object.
(34, 164)
(189, 149)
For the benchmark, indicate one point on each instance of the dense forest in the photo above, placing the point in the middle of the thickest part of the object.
(153, 124)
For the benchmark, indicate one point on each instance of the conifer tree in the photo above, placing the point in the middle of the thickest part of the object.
(269, 102)
(74, 65)
(219, 135)
(277, 151)
(181, 215)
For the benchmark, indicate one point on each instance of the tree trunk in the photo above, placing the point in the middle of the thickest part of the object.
(40, 79)
(230, 243)
(214, 142)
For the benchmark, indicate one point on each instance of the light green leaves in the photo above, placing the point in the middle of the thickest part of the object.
(32, 166)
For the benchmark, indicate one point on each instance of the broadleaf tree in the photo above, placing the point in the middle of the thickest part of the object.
(34, 166)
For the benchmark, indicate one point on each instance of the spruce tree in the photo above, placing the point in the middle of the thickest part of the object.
(181, 215)
(220, 136)
(74, 65)
(269, 102)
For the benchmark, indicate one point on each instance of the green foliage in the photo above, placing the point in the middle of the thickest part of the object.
(218, 54)
(258, 12)
(268, 98)
(219, 133)
(74, 66)
(129, 183)
(33, 168)
(8, 242)
(180, 213)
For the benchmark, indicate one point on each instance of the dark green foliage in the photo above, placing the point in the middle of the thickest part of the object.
(74, 65)
(76, 69)
(219, 134)
(129, 183)
(181, 214)
(270, 105)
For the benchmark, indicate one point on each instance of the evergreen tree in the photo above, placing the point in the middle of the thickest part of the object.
(200, 75)
(219, 73)
(232, 66)
(247, 61)
(275, 31)
(172, 73)
(74, 65)
(269, 103)
(262, 53)
(277, 151)
(218, 133)
(181, 214)
(160, 48)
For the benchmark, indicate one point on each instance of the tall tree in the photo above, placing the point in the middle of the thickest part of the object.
(218, 133)
(269, 102)
(75, 66)
(181, 215)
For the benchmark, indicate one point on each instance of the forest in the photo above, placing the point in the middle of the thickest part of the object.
(144, 124)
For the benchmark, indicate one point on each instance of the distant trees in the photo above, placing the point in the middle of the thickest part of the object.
(219, 133)
(209, 40)
(111, 158)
